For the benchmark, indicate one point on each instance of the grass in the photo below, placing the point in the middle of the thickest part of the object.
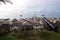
(40, 35)
(8, 37)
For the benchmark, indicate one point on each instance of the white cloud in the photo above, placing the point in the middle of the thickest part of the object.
(11, 10)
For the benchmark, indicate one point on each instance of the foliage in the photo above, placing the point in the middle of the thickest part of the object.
(31, 35)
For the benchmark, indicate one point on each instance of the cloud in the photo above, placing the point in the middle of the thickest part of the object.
(48, 5)
(27, 7)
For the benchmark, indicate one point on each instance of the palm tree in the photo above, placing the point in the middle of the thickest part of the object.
(4, 1)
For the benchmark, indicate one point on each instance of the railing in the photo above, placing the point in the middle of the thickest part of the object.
(50, 25)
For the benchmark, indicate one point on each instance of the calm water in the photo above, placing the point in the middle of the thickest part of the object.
(53, 15)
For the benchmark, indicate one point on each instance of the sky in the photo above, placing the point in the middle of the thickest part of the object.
(29, 8)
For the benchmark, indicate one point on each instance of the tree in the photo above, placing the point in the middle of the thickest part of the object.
(4, 1)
